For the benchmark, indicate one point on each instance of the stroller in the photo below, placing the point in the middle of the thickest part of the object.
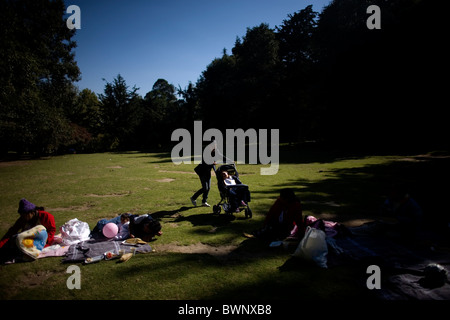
(227, 201)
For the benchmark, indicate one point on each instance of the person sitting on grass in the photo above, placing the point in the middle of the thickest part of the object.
(30, 217)
(283, 216)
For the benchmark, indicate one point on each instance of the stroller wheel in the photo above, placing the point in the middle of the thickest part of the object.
(248, 213)
(216, 209)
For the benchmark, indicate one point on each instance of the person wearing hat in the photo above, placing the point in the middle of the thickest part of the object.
(30, 216)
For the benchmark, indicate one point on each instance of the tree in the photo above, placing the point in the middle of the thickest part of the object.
(257, 64)
(86, 111)
(37, 69)
(162, 100)
(161, 114)
(297, 55)
(380, 87)
(120, 109)
(189, 107)
(218, 92)
(190, 101)
(242, 85)
(85, 121)
(295, 37)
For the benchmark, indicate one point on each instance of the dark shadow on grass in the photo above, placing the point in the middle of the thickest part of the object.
(347, 193)
(169, 213)
(230, 226)
(356, 193)
(165, 262)
(305, 283)
(207, 219)
(161, 156)
(233, 224)
(317, 152)
(294, 153)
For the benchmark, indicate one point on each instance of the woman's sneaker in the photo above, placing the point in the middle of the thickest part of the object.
(193, 202)
(205, 204)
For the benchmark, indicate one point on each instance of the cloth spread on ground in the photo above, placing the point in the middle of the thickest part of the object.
(402, 264)
(93, 248)
(55, 250)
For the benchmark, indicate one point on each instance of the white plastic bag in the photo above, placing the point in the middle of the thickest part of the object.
(74, 231)
(313, 247)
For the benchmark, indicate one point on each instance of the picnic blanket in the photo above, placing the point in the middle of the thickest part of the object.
(72, 232)
(79, 252)
(55, 250)
(402, 265)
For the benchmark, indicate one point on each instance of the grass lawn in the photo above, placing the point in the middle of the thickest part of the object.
(200, 255)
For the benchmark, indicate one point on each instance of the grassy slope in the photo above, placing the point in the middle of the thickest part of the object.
(94, 186)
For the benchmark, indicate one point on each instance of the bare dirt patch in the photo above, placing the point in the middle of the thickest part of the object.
(198, 248)
(4, 164)
(35, 279)
(184, 172)
(115, 194)
(27, 281)
(172, 225)
(84, 207)
(165, 180)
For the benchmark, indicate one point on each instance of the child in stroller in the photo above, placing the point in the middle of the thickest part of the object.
(234, 195)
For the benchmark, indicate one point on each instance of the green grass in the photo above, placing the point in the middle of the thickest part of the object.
(94, 186)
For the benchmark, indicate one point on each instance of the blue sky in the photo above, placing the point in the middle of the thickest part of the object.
(171, 39)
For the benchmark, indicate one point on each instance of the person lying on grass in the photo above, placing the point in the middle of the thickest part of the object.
(144, 227)
(130, 226)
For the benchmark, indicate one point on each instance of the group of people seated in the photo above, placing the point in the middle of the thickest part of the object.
(283, 218)
(36, 219)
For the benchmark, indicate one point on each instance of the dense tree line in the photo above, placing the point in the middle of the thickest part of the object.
(317, 76)
(326, 76)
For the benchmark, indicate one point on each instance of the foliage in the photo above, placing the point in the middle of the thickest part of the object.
(317, 76)
(119, 108)
(162, 114)
(37, 69)
(375, 83)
